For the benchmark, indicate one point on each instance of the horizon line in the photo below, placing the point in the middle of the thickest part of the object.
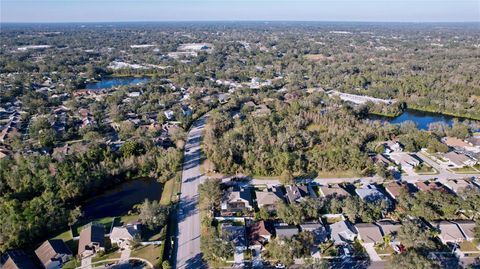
(236, 20)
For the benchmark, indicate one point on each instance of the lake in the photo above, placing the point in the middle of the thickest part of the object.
(421, 118)
(120, 199)
(107, 83)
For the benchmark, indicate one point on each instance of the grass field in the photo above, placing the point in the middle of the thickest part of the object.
(340, 174)
(150, 253)
(465, 170)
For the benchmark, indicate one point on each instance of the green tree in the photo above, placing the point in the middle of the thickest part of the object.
(287, 177)
(412, 259)
(210, 195)
(279, 252)
(413, 235)
(152, 214)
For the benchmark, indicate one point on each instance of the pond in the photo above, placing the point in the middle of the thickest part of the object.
(120, 199)
(421, 118)
(110, 82)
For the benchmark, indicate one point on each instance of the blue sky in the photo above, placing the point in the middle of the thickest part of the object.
(211, 10)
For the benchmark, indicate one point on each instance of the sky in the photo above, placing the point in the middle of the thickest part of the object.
(239, 10)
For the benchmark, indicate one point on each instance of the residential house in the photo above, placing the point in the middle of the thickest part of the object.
(474, 143)
(262, 110)
(393, 146)
(259, 233)
(235, 234)
(468, 228)
(223, 98)
(296, 193)
(369, 233)
(283, 230)
(395, 188)
(92, 240)
(430, 186)
(186, 111)
(470, 144)
(390, 228)
(269, 199)
(459, 185)
(342, 232)
(370, 193)
(237, 201)
(459, 160)
(449, 232)
(333, 191)
(16, 259)
(407, 161)
(169, 114)
(317, 229)
(53, 254)
(123, 236)
(380, 159)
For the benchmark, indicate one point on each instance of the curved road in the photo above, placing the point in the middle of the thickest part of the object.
(187, 243)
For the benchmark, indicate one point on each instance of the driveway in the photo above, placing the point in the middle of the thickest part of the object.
(125, 255)
(187, 247)
(87, 263)
(238, 257)
(372, 253)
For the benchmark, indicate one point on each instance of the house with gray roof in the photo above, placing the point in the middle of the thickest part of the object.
(369, 233)
(317, 229)
(333, 190)
(467, 227)
(342, 232)
(237, 201)
(269, 199)
(283, 230)
(296, 193)
(449, 231)
(370, 193)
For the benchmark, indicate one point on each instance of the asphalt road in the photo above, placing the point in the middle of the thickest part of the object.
(187, 244)
(443, 175)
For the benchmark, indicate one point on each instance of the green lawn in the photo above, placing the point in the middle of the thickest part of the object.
(388, 250)
(425, 169)
(167, 193)
(72, 264)
(334, 174)
(150, 253)
(465, 170)
(468, 246)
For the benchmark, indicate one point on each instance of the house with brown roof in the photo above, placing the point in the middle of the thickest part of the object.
(395, 188)
(53, 254)
(369, 233)
(333, 191)
(470, 144)
(259, 233)
(92, 240)
(427, 186)
(16, 259)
